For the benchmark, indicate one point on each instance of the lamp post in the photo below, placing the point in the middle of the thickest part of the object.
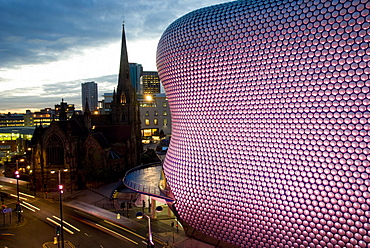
(60, 187)
(139, 215)
(17, 177)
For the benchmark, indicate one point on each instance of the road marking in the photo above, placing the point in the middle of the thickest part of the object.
(118, 234)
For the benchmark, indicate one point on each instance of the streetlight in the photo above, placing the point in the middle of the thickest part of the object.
(139, 215)
(17, 177)
(60, 187)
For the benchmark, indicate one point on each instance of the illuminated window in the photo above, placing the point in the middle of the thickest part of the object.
(148, 104)
(155, 131)
(147, 122)
(146, 113)
(147, 132)
(155, 113)
(164, 104)
(155, 121)
(165, 122)
(165, 112)
(123, 98)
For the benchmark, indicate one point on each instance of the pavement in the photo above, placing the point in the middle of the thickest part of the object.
(166, 229)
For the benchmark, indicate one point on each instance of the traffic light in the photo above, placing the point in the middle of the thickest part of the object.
(57, 230)
(18, 208)
(16, 174)
(60, 186)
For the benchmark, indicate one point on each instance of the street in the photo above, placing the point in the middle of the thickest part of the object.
(85, 226)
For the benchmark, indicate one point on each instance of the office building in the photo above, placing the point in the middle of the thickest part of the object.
(150, 83)
(11, 120)
(14, 141)
(155, 117)
(43, 117)
(69, 109)
(90, 95)
(135, 73)
(105, 105)
(270, 111)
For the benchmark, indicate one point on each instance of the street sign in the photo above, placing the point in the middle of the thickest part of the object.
(7, 210)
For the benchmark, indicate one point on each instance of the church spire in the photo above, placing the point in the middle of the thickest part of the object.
(124, 99)
(87, 107)
(87, 115)
(124, 81)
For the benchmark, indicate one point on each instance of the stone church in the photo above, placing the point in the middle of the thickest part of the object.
(90, 149)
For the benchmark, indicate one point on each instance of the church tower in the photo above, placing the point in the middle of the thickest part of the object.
(125, 107)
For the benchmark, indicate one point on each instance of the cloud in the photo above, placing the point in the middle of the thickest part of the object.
(46, 96)
(44, 31)
(48, 48)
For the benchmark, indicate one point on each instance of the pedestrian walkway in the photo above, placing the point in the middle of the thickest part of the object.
(166, 230)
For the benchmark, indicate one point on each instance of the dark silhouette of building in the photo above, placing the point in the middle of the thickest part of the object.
(93, 148)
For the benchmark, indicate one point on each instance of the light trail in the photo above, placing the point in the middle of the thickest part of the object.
(30, 205)
(31, 196)
(125, 229)
(22, 198)
(29, 208)
(58, 224)
(118, 234)
(65, 222)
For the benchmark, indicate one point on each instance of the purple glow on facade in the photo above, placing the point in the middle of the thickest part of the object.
(270, 106)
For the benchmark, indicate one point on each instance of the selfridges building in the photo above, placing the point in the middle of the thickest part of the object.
(270, 105)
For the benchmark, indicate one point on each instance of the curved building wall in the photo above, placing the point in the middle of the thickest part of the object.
(270, 110)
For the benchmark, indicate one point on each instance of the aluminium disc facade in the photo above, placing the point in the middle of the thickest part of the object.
(270, 106)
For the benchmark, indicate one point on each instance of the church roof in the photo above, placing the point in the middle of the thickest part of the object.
(37, 133)
(101, 120)
(115, 133)
(101, 139)
(72, 126)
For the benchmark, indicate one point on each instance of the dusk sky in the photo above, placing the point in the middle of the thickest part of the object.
(48, 48)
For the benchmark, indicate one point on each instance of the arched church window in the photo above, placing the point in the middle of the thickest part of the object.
(123, 98)
(55, 151)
